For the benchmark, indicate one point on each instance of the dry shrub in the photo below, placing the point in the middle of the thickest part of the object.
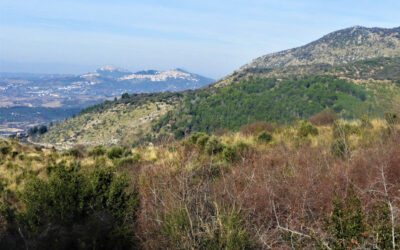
(256, 128)
(323, 118)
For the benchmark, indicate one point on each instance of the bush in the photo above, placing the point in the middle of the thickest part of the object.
(97, 151)
(391, 118)
(264, 137)
(230, 154)
(214, 146)
(202, 141)
(365, 122)
(306, 129)
(323, 118)
(129, 160)
(220, 231)
(256, 128)
(78, 210)
(115, 152)
(5, 150)
(77, 151)
(193, 138)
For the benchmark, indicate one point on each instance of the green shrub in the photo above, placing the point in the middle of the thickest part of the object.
(264, 137)
(115, 152)
(214, 146)
(230, 153)
(193, 138)
(78, 210)
(306, 128)
(97, 151)
(5, 150)
(347, 221)
(202, 141)
(128, 160)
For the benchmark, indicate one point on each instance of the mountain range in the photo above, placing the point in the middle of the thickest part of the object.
(31, 99)
(353, 72)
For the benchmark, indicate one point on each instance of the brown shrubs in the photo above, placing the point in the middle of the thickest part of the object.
(323, 118)
(256, 128)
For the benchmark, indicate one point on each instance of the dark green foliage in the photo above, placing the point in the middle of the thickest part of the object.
(115, 152)
(230, 153)
(37, 130)
(214, 146)
(381, 226)
(306, 128)
(128, 160)
(97, 151)
(347, 222)
(125, 96)
(5, 150)
(79, 210)
(264, 100)
(264, 137)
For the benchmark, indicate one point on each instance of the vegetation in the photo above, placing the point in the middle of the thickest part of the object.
(267, 100)
(268, 186)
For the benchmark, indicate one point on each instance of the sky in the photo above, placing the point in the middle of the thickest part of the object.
(208, 37)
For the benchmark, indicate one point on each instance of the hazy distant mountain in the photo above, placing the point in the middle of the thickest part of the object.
(73, 92)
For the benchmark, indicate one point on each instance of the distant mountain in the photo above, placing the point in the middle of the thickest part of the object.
(75, 92)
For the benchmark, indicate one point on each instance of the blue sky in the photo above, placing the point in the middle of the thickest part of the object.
(209, 37)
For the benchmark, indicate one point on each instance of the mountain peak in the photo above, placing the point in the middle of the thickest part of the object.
(342, 46)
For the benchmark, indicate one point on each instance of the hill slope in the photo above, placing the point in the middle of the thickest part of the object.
(352, 72)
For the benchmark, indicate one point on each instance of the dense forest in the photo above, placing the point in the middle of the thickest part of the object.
(271, 100)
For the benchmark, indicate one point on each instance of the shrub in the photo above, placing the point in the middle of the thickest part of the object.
(214, 146)
(77, 151)
(323, 118)
(193, 138)
(220, 231)
(97, 151)
(128, 160)
(230, 153)
(115, 152)
(79, 210)
(306, 129)
(256, 128)
(202, 141)
(347, 221)
(5, 150)
(264, 137)
(391, 118)
(365, 122)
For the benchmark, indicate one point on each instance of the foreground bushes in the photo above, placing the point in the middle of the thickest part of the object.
(75, 209)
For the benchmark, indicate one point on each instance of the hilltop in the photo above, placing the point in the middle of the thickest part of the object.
(353, 72)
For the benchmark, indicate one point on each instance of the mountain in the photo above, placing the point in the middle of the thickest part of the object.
(23, 97)
(337, 48)
(353, 72)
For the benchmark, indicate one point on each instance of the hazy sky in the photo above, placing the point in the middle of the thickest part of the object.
(209, 37)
